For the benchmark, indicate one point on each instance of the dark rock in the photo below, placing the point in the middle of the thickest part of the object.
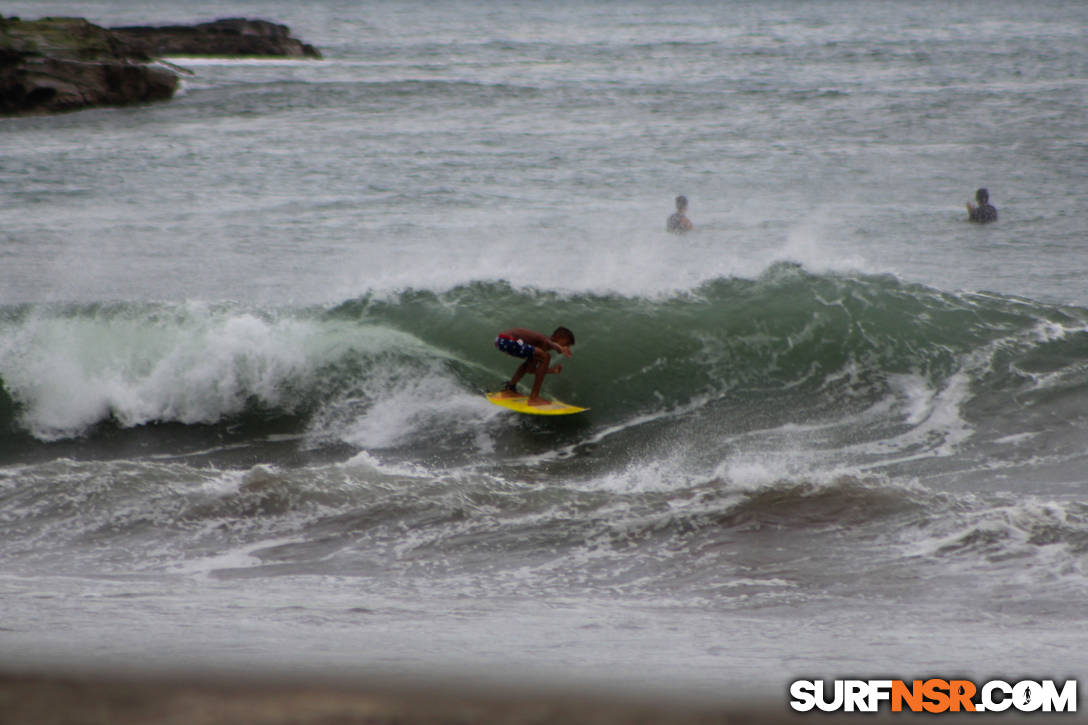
(229, 37)
(66, 64)
(55, 84)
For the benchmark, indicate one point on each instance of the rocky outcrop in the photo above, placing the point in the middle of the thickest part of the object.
(66, 64)
(51, 85)
(229, 37)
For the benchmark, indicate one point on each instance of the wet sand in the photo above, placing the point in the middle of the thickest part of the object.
(87, 699)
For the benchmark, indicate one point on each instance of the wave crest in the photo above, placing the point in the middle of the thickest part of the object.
(788, 340)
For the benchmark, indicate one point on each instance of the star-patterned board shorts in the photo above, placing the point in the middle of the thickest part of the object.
(514, 346)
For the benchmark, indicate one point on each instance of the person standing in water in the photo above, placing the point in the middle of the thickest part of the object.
(984, 213)
(679, 223)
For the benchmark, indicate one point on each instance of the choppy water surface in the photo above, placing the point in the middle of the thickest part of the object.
(836, 430)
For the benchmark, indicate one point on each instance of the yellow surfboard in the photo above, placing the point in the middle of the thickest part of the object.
(520, 404)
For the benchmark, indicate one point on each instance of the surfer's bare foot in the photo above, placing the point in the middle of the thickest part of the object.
(538, 401)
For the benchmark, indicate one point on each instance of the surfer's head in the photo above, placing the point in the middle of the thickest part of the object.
(563, 336)
(681, 203)
(982, 196)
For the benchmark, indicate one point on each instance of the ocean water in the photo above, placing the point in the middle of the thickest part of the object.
(836, 431)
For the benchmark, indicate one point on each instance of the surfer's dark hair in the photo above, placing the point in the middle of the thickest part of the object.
(982, 196)
(564, 331)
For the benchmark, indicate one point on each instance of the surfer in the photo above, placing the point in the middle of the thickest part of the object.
(679, 223)
(984, 212)
(536, 349)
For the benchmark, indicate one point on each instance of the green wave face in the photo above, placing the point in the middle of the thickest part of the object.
(788, 346)
(787, 334)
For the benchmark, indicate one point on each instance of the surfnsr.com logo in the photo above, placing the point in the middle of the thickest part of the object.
(933, 696)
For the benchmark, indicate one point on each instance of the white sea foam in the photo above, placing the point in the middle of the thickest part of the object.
(188, 364)
(410, 409)
(1029, 542)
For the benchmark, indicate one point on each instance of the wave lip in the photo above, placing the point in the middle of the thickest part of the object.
(136, 366)
(863, 367)
(67, 370)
